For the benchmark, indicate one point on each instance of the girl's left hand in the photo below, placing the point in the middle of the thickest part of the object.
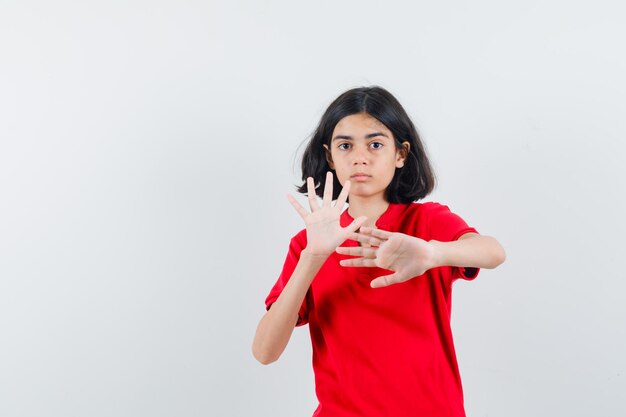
(406, 255)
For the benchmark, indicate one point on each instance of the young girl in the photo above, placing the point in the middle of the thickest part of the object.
(374, 281)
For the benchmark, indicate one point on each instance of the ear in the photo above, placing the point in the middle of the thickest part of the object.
(329, 158)
(402, 153)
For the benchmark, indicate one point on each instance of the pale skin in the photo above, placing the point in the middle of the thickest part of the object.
(409, 256)
(362, 145)
(324, 234)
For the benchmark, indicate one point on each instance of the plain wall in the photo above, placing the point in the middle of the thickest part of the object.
(146, 149)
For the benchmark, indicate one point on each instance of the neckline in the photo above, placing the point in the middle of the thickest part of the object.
(383, 222)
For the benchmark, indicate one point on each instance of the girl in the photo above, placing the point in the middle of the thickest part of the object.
(374, 281)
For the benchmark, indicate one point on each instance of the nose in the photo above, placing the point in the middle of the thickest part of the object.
(360, 155)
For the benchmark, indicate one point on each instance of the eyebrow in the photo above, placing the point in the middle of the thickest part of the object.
(368, 136)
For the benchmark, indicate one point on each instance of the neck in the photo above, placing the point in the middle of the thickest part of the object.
(371, 209)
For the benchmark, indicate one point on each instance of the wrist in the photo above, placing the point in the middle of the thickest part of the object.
(309, 255)
(439, 253)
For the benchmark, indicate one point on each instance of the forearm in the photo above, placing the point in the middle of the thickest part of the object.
(277, 325)
(476, 251)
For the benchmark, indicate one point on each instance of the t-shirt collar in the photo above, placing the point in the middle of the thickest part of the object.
(384, 222)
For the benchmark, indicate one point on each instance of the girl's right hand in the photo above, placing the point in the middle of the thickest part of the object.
(323, 231)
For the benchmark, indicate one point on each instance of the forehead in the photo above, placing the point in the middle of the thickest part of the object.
(360, 122)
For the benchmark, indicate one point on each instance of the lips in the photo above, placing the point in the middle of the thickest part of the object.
(360, 176)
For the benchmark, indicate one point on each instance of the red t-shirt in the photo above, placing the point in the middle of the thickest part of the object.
(386, 351)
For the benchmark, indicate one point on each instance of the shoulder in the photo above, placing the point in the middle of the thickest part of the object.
(424, 209)
(433, 207)
(299, 240)
(301, 235)
(437, 211)
(428, 217)
(297, 244)
(444, 224)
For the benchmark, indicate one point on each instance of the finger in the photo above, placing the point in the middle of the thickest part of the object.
(369, 253)
(358, 262)
(386, 281)
(301, 210)
(310, 190)
(381, 234)
(343, 195)
(359, 237)
(356, 223)
(328, 190)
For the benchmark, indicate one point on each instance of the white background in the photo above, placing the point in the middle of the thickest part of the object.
(146, 148)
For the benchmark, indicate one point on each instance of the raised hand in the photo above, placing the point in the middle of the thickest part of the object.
(323, 231)
(406, 255)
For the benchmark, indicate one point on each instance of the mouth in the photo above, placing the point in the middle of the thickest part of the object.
(360, 176)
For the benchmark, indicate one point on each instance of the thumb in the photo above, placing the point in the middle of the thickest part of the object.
(356, 223)
(385, 281)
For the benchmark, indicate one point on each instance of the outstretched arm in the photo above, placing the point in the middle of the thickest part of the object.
(410, 256)
(324, 234)
(470, 250)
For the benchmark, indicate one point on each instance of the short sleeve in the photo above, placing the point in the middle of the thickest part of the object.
(446, 226)
(297, 244)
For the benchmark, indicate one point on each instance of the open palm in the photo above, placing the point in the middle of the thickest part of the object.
(323, 230)
(406, 255)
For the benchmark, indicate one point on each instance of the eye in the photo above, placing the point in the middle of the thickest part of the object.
(344, 146)
(376, 145)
